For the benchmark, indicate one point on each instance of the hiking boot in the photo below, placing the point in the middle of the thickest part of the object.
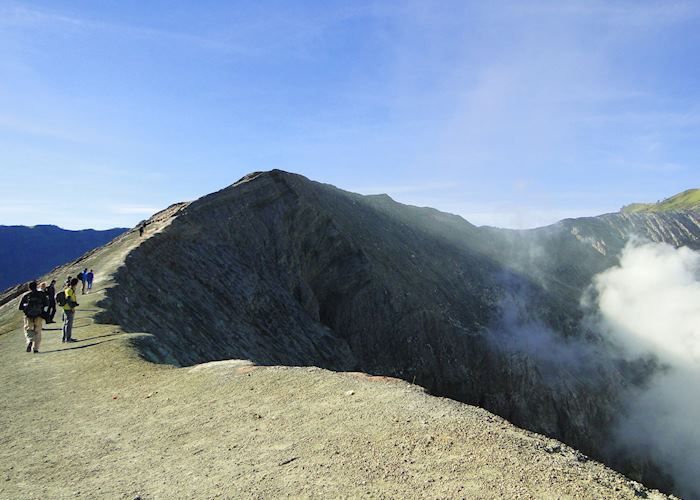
(36, 351)
(72, 340)
(29, 347)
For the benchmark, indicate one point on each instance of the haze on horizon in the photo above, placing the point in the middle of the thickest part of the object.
(511, 113)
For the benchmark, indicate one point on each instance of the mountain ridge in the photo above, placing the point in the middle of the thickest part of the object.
(281, 270)
(234, 429)
(319, 276)
(686, 200)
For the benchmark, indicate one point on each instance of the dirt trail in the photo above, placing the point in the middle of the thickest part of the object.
(94, 420)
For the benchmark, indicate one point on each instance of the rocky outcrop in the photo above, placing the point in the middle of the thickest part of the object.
(281, 270)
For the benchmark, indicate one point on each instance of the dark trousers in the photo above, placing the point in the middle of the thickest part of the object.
(51, 311)
(68, 325)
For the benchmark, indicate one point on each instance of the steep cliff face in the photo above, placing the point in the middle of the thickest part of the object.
(281, 270)
(679, 228)
(565, 256)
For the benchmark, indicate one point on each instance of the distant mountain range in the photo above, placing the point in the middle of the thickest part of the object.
(29, 252)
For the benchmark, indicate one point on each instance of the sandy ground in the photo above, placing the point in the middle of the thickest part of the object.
(93, 420)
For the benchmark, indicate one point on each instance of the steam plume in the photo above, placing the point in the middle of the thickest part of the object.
(649, 305)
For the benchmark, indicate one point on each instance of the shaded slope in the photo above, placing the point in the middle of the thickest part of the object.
(565, 256)
(281, 270)
(29, 252)
(104, 423)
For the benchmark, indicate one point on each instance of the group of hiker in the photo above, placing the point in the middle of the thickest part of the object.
(39, 306)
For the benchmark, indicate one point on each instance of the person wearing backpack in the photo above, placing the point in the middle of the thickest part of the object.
(51, 295)
(62, 294)
(33, 304)
(61, 300)
(70, 302)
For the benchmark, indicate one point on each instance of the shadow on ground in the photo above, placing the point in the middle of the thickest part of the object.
(78, 346)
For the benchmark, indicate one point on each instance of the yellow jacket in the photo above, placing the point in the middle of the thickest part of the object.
(70, 299)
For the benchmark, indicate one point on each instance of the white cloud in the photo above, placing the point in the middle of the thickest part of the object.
(665, 168)
(650, 306)
(514, 217)
(39, 128)
(251, 31)
(133, 210)
(12, 208)
(626, 16)
(422, 187)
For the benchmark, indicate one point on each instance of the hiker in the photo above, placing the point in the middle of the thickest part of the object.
(83, 278)
(42, 288)
(33, 304)
(141, 229)
(66, 284)
(90, 278)
(51, 295)
(70, 302)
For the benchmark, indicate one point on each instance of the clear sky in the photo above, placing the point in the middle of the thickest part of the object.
(510, 113)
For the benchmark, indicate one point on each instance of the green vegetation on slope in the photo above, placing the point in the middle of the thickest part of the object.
(683, 201)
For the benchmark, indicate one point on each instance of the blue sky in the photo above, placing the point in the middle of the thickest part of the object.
(509, 113)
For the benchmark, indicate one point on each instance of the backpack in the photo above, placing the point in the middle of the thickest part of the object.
(81, 277)
(61, 298)
(35, 305)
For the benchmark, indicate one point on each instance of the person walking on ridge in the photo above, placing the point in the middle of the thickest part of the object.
(69, 311)
(51, 295)
(42, 288)
(33, 304)
(66, 284)
(83, 278)
(90, 278)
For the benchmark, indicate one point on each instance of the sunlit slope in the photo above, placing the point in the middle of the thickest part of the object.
(686, 200)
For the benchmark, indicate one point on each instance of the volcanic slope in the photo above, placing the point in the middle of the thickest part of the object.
(281, 270)
(96, 420)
